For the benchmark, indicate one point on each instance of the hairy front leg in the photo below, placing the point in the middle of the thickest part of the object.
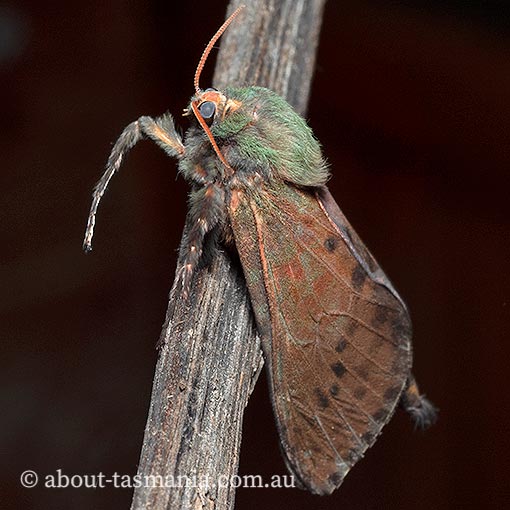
(161, 130)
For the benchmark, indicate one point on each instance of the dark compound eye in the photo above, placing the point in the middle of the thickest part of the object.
(207, 110)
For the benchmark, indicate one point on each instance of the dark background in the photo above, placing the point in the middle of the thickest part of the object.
(411, 101)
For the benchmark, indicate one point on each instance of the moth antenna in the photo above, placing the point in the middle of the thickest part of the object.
(209, 47)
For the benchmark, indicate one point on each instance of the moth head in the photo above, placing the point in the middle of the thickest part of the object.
(211, 105)
(207, 105)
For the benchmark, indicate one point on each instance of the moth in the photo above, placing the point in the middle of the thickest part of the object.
(335, 333)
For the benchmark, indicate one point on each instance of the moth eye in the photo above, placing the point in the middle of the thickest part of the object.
(207, 110)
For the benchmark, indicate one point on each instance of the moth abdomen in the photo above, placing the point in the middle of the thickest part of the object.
(422, 411)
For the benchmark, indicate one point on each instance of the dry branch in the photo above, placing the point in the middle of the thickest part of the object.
(210, 356)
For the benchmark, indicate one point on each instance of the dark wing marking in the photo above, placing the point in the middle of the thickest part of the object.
(335, 334)
(355, 244)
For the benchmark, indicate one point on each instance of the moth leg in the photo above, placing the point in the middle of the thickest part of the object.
(421, 410)
(161, 130)
(206, 213)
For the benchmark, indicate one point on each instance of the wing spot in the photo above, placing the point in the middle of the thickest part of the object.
(358, 277)
(331, 244)
(338, 369)
(381, 315)
(322, 398)
(334, 390)
(341, 345)
(401, 329)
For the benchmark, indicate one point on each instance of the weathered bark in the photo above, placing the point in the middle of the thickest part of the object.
(210, 356)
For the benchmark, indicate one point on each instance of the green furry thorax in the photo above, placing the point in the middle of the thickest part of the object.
(267, 131)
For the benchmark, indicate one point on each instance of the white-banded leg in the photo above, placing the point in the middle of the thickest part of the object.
(161, 130)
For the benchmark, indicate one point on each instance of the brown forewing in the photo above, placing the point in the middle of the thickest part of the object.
(335, 334)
